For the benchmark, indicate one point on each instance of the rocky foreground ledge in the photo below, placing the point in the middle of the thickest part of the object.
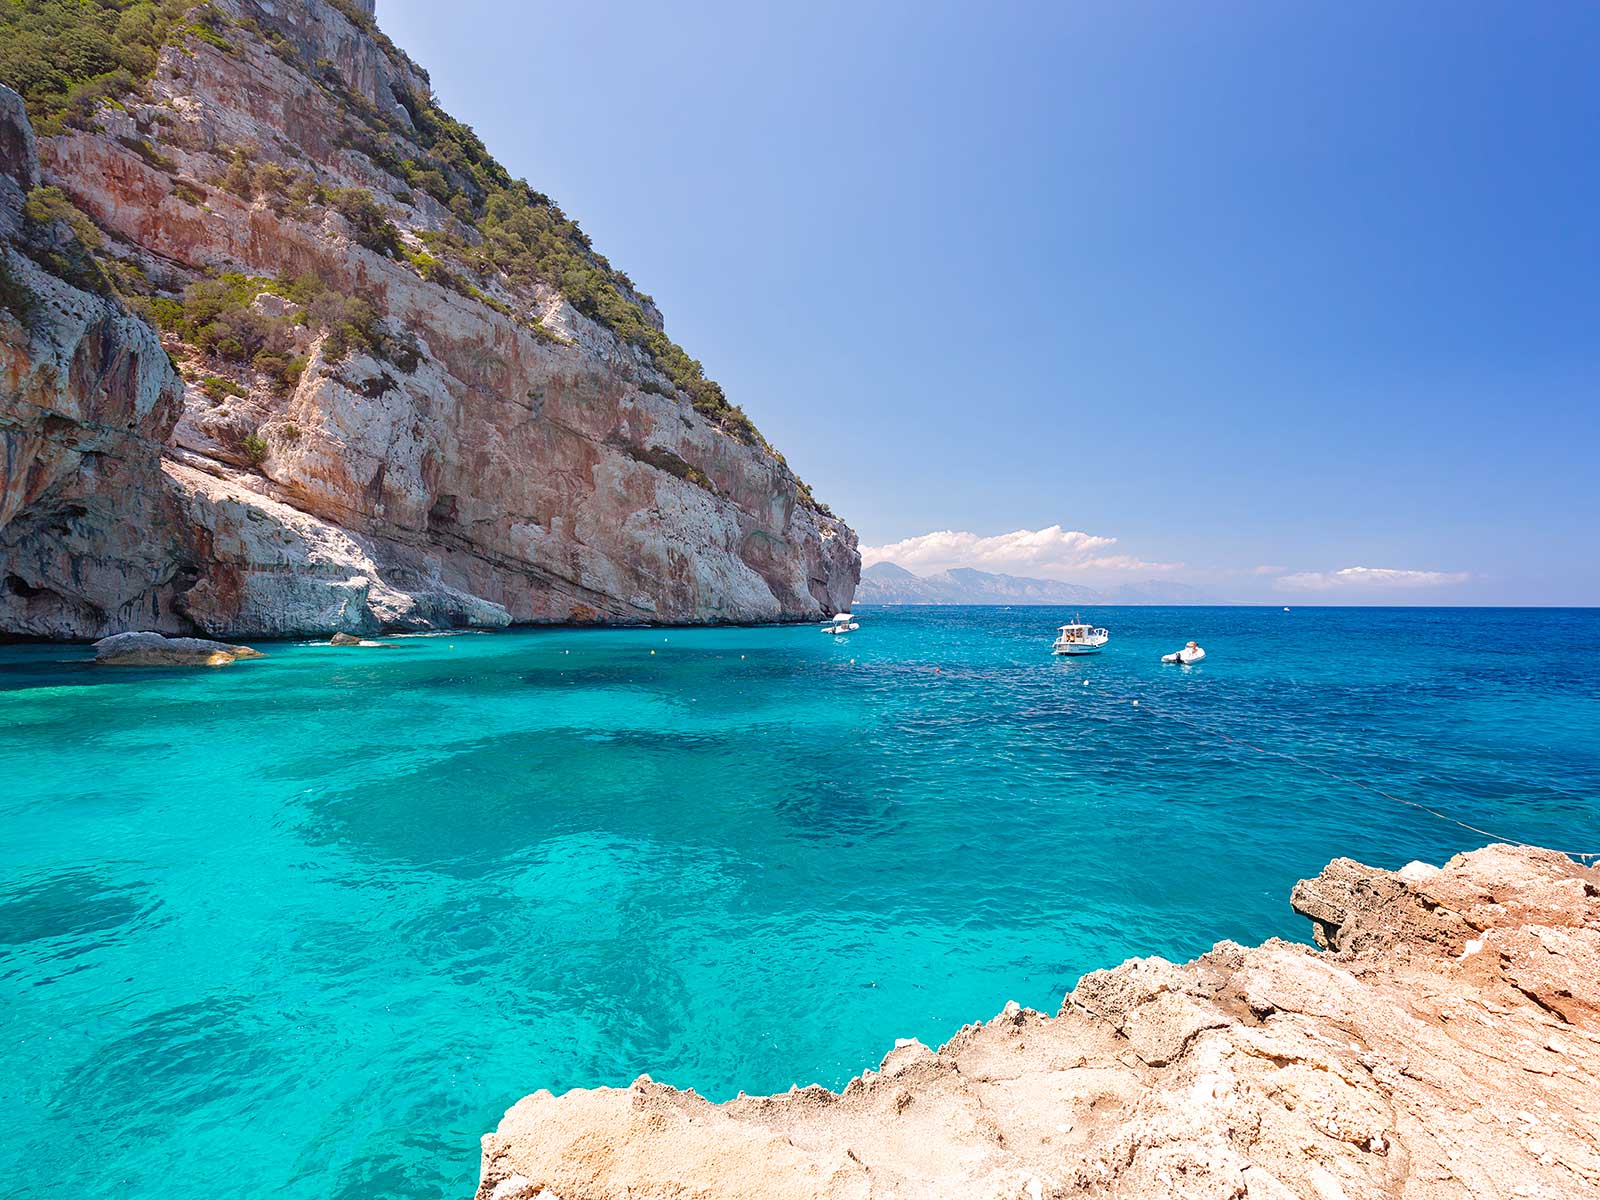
(1445, 1042)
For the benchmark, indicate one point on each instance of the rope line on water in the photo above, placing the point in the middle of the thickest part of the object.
(1334, 775)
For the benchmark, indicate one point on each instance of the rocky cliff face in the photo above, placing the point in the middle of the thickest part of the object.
(87, 400)
(1445, 1043)
(402, 389)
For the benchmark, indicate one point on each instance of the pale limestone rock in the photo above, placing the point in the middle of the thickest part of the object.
(1145, 1000)
(1385, 1069)
(293, 573)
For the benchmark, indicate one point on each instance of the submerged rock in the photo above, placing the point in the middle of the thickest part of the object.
(154, 650)
(1446, 1044)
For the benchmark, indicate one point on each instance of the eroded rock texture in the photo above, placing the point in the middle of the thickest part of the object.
(516, 460)
(1447, 1045)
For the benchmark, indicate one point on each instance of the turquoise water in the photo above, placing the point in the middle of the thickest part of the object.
(305, 927)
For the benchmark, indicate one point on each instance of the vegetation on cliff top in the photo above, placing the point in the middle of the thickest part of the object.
(68, 57)
(519, 232)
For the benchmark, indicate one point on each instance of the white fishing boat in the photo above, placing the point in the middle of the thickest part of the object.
(1078, 638)
(1189, 654)
(841, 623)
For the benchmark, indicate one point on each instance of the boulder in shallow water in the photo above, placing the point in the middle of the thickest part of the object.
(154, 650)
(350, 639)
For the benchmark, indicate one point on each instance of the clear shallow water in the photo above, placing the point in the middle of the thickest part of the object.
(307, 926)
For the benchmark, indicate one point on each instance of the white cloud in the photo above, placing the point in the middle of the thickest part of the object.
(1267, 569)
(1023, 551)
(1369, 577)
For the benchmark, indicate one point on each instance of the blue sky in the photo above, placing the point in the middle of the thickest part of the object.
(1262, 292)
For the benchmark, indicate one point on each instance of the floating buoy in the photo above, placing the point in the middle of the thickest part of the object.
(652, 652)
(1085, 683)
(1136, 704)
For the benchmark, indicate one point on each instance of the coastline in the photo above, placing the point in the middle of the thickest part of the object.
(322, 635)
(1443, 1041)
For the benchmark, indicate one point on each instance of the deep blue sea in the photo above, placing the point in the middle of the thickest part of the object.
(304, 927)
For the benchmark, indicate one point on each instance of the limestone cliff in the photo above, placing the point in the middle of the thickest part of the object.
(1445, 1043)
(392, 386)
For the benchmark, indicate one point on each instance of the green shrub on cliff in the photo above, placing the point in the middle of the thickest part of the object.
(149, 153)
(354, 325)
(207, 23)
(666, 460)
(218, 389)
(527, 237)
(221, 319)
(297, 195)
(66, 56)
(45, 205)
(281, 371)
(369, 223)
(61, 238)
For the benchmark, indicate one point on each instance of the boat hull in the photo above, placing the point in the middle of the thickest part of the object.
(1076, 648)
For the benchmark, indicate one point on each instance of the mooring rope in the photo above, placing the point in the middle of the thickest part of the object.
(1334, 775)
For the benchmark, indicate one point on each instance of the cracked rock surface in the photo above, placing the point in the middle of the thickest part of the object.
(1443, 1042)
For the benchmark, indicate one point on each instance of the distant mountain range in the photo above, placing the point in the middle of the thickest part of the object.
(887, 583)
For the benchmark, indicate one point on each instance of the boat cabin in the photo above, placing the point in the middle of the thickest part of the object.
(1078, 638)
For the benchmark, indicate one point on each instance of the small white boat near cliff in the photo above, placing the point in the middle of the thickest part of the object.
(1189, 654)
(1079, 639)
(841, 623)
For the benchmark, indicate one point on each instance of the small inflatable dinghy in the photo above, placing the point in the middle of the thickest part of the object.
(1189, 654)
